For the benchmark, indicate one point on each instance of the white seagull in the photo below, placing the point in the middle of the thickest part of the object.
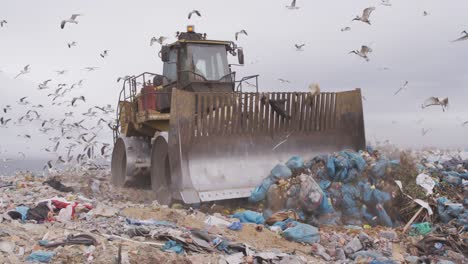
(241, 32)
(292, 6)
(2, 22)
(365, 50)
(365, 15)
(72, 19)
(159, 40)
(194, 12)
(104, 53)
(462, 38)
(299, 47)
(72, 44)
(25, 70)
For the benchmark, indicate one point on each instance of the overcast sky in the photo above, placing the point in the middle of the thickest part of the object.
(414, 47)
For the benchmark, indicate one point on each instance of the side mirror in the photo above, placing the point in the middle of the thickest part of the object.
(164, 53)
(240, 56)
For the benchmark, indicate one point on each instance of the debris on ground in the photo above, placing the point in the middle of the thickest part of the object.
(353, 207)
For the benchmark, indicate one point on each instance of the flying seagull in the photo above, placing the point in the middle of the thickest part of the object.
(4, 122)
(401, 88)
(425, 13)
(72, 44)
(365, 15)
(2, 22)
(385, 3)
(62, 72)
(465, 123)
(241, 32)
(194, 12)
(82, 98)
(425, 131)
(72, 19)
(159, 40)
(462, 38)
(25, 70)
(299, 47)
(283, 80)
(292, 6)
(104, 53)
(91, 69)
(314, 89)
(43, 85)
(123, 78)
(365, 50)
(346, 29)
(436, 101)
(6, 109)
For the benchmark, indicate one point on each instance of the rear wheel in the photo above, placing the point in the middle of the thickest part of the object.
(160, 171)
(119, 164)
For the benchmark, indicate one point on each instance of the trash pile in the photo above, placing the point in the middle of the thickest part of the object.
(344, 207)
(364, 190)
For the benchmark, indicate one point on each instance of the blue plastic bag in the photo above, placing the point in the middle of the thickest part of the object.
(236, 226)
(249, 217)
(302, 233)
(295, 163)
(23, 210)
(172, 246)
(281, 171)
(259, 193)
(326, 206)
(41, 256)
(383, 218)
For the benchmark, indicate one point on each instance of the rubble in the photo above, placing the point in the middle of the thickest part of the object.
(343, 207)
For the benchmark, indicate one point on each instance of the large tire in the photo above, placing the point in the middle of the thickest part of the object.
(160, 171)
(119, 164)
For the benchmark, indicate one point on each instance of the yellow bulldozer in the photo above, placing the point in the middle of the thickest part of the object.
(199, 137)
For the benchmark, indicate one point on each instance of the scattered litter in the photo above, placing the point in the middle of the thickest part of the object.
(41, 256)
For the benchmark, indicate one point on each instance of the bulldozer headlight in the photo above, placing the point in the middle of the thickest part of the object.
(190, 29)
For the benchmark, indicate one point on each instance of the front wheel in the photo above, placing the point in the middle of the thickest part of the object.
(160, 171)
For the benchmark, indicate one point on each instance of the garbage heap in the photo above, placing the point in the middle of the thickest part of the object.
(420, 195)
(344, 188)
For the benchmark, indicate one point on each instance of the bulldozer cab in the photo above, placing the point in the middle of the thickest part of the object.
(195, 64)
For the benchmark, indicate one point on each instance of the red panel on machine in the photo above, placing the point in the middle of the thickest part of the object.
(148, 98)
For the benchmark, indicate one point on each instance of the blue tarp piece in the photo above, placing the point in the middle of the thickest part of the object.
(172, 246)
(284, 224)
(23, 210)
(249, 217)
(236, 226)
(368, 216)
(326, 206)
(150, 222)
(281, 171)
(302, 233)
(383, 217)
(350, 194)
(448, 210)
(41, 256)
(259, 193)
(372, 196)
(295, 163)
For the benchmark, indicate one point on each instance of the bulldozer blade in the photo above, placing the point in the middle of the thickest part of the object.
(222, 145)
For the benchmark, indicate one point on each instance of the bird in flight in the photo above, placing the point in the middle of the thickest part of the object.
(385, 3)
(401, 88)
(283, 80)
(365, 15)
(82, 98)
(241, 32)
(299, 47)
(61, 72)
(25, 70)
(425, 131)
(465, 123)
(6, 109)
(346, 29)
(104, 53)
(292, 6)
(3, 22)
(72, 20)
(43, 85)
(159, 40)
(90, 69)
(72, 44)
(365, 50)
(314, 89)
(425, 13)
(4, 122)
(123, 78)
(443, 102)
(194, 12)
(462, 38)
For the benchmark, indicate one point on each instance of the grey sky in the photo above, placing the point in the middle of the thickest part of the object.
(414, 47)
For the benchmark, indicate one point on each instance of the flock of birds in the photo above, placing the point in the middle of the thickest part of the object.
(77, 143)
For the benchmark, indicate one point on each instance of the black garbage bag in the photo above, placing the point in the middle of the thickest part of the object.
(57, 185)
